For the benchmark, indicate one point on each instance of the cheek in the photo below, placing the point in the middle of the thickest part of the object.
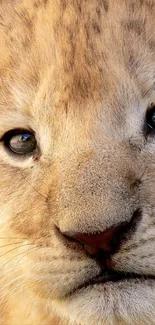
(21, 204)
(27, 219)
(28, 199)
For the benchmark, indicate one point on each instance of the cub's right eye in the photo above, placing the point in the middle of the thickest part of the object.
(150, 119)
(20, 142)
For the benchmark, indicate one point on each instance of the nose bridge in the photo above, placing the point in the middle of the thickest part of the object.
(96, 192)
(110, 171)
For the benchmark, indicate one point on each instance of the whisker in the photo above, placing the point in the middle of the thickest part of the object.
(17, 289)
(22, 238)
(12, 270)
(12, 281)
(13, 290)
(36, 248)
(42, 195)
(18, 242)
(14, 249)
(13, 238)
(26, 252)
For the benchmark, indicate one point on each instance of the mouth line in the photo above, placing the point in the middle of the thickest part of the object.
(115, 276)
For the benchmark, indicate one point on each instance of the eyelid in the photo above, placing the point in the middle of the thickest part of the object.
(16, 131)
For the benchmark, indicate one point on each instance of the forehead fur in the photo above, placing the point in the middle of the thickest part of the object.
(64, 52)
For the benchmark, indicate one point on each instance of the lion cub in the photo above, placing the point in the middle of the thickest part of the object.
(77, 162)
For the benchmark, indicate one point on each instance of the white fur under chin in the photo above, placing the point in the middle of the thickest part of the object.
(112, 304)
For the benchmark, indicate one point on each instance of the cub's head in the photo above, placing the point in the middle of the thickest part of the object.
(77, 158)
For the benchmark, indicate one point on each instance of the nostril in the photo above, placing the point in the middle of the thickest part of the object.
(106, 241)
(103, 243)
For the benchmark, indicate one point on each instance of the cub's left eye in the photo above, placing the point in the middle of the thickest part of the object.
(150, 118)
(20, 142)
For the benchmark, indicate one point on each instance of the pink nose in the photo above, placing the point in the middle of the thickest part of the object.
(108, 240)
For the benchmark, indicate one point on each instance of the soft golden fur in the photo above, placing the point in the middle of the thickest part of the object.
(81, 75)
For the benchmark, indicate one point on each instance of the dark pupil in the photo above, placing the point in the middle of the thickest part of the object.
(151, 118)
(22, 143)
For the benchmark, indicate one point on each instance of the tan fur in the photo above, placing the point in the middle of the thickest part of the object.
(81, 74)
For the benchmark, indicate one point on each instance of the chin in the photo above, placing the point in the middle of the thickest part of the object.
(120, 302)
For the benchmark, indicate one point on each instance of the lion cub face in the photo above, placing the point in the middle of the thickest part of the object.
(77, 160)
